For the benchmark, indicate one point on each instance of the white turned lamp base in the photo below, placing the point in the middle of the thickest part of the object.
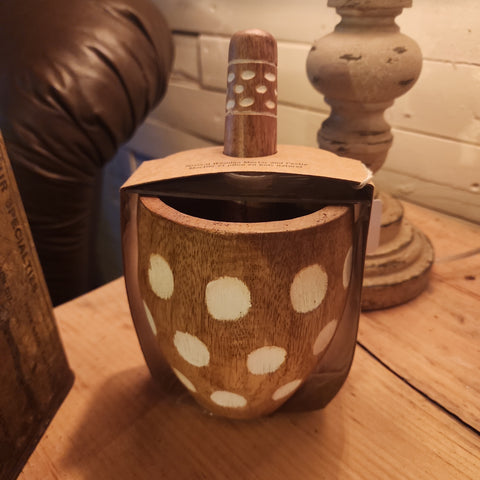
(361, 67)
(398, 270)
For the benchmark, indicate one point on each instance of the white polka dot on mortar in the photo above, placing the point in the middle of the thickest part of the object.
(149, 315)
(347, 268)
(324, 337)
(308, 288)
(160, 277)
(184, 380)
(191, 349)
(228, 399)
(286, 389)
(227, 298)
(265, 360)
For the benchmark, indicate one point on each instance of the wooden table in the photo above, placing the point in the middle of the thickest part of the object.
(410, 408)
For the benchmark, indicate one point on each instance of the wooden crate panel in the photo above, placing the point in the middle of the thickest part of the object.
(34, 373)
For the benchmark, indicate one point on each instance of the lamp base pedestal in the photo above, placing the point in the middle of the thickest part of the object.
(398, 270)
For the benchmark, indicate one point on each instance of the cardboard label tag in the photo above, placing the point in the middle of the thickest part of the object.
(293, 160)
(292, 175)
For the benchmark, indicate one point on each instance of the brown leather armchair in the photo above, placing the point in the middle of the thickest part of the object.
(76, 79)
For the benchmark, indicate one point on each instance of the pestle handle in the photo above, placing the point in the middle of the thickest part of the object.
(251, 104)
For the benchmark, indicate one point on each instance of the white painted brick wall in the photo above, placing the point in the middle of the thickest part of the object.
(435, 158)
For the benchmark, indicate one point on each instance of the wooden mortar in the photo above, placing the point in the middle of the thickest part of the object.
(247, 301)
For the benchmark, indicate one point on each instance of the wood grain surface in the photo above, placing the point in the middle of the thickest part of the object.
(34, 373)
(251, 105)
(118, 423)
(433, 342)
(247, 302)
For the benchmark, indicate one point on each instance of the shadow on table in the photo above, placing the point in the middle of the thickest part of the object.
(136, 428)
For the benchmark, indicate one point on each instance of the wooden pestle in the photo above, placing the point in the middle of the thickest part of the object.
(250, 131)
(251, 122)
(251, 104)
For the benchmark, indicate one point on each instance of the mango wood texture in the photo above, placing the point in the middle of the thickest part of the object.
(433, 341)
(118, 424)
(34, 373)
(244, 312)
(251, 105)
